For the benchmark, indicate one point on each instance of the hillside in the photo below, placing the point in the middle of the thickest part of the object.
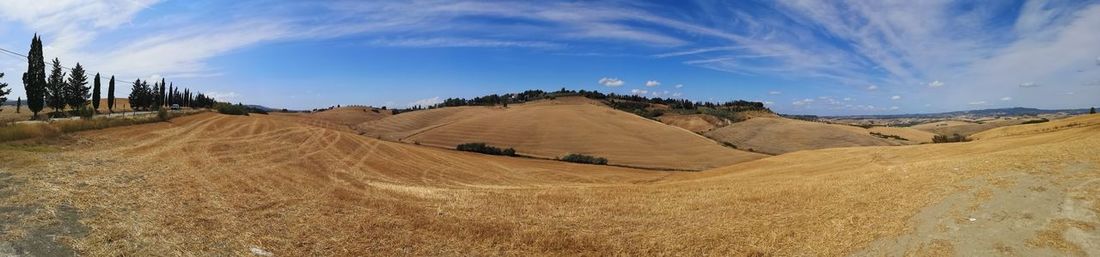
(967, 128)
(555, 128)
(350, 117)
(776, 135)
(221, 185)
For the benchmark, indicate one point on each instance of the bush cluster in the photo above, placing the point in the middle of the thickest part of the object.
(580, 158)
(486, 149)
(888, 136)
(1036, 121)
(231, 109)
(949, 139)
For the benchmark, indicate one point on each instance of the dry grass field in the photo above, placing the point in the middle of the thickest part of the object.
(212, 184)
(967, 128)
(697, 123)
(554, 128)
(8, 114)
(911, 134)
(776, 135)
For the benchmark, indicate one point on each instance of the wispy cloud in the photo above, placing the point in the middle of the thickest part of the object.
(425, 102)
(611, 82)
(652, 83)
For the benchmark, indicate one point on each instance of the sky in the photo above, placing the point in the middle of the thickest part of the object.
(799, 57)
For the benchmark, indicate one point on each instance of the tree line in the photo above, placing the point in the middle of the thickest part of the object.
(60, 90)
(618, 99)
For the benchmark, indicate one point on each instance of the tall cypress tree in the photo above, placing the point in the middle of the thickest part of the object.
(161, 96)
(111, 95)
(18, 104)
(95, 94)
(76, 95)
(34, 80)
(56, 88)
(4, 90)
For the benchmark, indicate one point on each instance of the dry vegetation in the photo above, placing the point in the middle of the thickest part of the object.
(221, 185)
(776, 135)
(555, 128)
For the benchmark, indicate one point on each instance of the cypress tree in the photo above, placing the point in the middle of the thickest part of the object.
(76, 94)
(34, 80)
(4, 90)
(56, 87)
(18, 104)
(1092, 111)
(95, 94)
(161, 96)
(111, 95)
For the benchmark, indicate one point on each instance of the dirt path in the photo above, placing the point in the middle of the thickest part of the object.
(1030, 213)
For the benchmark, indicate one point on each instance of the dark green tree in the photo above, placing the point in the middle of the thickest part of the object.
(4, 90)
(34, 80)
(161, 95)
(77, 92)
(18, 104)
(95, 94)
(1092, 111)
(56, 88)
(111, 95)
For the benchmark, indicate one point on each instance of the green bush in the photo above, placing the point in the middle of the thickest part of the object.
(162, 114)
(888, 136)
(580, 158)
(231, 109)
(949, 139)
(485, 149)
(1036, 121)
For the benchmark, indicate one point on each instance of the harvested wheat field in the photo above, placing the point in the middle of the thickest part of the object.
(967, 128)
(910, 134)
(226, 185)
(781, 135)
(697, 123)
(554, 128)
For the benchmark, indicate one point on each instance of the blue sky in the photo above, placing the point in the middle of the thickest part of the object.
(800, 57)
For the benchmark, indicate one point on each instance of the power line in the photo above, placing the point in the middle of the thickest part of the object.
(63, 67)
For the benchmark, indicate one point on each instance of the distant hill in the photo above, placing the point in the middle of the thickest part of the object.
(1015, 111)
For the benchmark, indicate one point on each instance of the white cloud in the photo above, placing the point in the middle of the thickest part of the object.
(1029, 85)
(222, 96)
(679, 86)
(461, 42)
(977, 103)
(638, 91)
(803, 102)
(872, 87)
(1007, 98)
(769, 102)
(425, 102)
(894, 108)
(897, 97)
(935, 84)
(775, 93)
(846, 99)
(611, 82)
(652, 83)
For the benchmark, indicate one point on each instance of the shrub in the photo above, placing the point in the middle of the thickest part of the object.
(485, 149)
(949, 139)
(1036, 121)
(162, 114)
(231, 109)
(888, 136)
(580, 158)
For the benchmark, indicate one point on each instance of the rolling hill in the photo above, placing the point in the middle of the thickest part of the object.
(225, 185)
(777, 135)
(554, 128)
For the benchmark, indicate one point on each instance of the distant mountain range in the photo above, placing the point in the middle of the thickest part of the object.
(1015, 111)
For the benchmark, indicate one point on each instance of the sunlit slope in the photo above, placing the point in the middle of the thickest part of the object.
(399, 127)
(555, 128)
(216, 185)
(781, 135)
(966, 128)
(349, 117)
(910, 134)
(1029, 129)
